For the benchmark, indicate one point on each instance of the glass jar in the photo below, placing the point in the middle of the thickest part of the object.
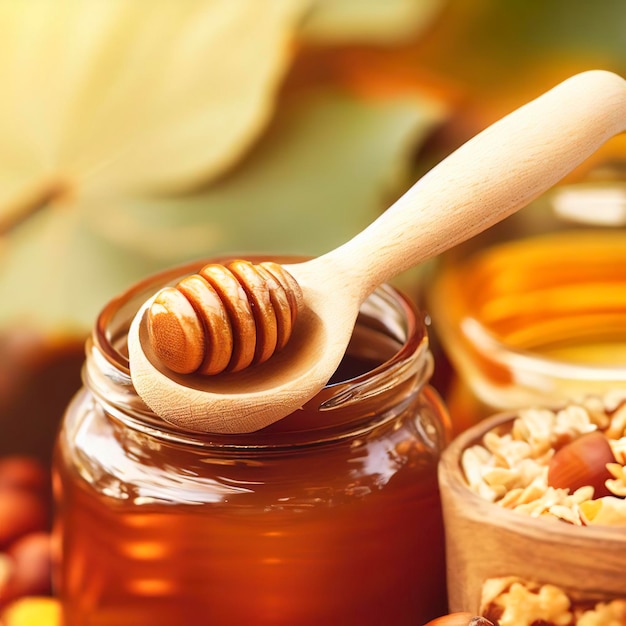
(330, 516)
(534, 312)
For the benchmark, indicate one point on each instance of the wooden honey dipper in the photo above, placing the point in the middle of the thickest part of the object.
(225, 317)
(487, 179)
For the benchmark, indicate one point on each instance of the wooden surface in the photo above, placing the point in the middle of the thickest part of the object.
(484, 540)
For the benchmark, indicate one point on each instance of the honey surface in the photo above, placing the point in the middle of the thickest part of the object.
(561, 296)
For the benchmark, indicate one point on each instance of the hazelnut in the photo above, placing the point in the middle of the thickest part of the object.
(31, 569)
(23, 472)
(21, 512)
(582, 462)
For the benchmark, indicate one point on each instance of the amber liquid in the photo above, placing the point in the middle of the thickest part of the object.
(562, 296)
(298, 538)
(559, 299)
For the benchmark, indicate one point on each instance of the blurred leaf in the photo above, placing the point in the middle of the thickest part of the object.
(527, 32)
(121, 95)
(326, 167)
(493, 56)
(506, 49)
(368, 21)
(56, 272)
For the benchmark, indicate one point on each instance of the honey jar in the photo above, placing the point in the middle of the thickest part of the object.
(534, 312)
(329, 516)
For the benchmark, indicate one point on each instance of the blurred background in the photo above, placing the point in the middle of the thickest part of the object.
(137, 136)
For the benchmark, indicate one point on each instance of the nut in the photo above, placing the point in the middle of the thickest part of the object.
(22, 472)
(607, 511)
(555, 464)
(617, 483)
(31, 569)
(513, 601)
(21, 512)
(582, 462)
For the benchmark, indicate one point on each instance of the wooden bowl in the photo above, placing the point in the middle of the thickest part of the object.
(484, 540)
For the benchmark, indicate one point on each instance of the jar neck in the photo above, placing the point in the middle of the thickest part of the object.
(387, 364)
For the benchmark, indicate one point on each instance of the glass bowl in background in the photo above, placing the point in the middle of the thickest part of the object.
(534, 310)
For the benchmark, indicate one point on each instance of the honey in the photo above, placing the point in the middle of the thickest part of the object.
(537, 320)
(329, 516)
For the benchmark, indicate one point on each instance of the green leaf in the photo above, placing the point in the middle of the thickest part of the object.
(494, 47)
(323, 171)
(368, 21)
(326, 167)
(56, 273)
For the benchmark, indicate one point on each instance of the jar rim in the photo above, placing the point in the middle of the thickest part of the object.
(580, 238)
(107, 349)
(519, 360)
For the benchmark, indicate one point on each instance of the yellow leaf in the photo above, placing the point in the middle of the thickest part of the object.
(121, 95)
(324, 169)
(368, 21)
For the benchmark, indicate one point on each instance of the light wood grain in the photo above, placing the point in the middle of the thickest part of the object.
(491, 176)
(484, 540)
